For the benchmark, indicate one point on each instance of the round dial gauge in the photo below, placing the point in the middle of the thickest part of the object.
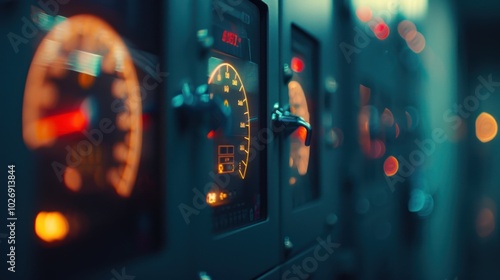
(232, 147)
(82, 106)
(299, 153)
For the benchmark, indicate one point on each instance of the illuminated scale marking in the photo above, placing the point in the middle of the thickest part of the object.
(87, 46)
(226, 83)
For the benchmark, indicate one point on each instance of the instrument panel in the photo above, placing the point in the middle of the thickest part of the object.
(81, 66)
(115, 158)
(235, 68)
(314, 123)
(302, 92)
(90, 117)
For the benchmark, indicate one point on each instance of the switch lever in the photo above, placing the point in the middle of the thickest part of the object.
(282, 118)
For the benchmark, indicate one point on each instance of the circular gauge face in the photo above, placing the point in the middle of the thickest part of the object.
(82, 106)
(299, 153)
(233, 147)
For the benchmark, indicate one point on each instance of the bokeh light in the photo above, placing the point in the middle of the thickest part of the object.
(391, 166)
(407, 30)
(364, 13)
(417, 43)
(51, 226)
(486, 127)
(381, 31)
(387, 117)
(397, 129)
(412, 118)
(297, 65)
(485, 222)
(417, 201)
(377, 148)
(72, 179)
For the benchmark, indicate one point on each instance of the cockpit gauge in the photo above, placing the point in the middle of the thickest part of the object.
(233, 147)
(82, 105)
(93, 132)
(235, 79)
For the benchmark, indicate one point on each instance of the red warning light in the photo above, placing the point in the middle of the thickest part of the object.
(211, 134)
(381, 31)
(297, 65)
(65, 123)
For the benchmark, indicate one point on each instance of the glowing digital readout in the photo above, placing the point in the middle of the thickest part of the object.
(231, 38)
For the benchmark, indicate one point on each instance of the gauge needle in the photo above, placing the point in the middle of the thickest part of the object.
(57, 125)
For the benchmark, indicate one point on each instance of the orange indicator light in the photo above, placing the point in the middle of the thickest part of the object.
(486, 127)
(51, 226)
(222, 196)
(211, 198)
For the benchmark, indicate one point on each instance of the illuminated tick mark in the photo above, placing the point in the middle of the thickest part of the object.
(246, 138)
(119, 88)
(123, 121)
(241, 87)
(244, 163)
(72, 179)
(241, 174)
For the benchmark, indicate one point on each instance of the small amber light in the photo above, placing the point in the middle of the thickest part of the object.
(51, 226)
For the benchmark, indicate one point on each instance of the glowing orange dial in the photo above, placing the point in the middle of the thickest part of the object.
(299, 153)
(82, 106)
(233, 149)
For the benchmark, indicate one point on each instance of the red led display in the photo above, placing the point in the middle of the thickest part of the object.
(231, 38)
